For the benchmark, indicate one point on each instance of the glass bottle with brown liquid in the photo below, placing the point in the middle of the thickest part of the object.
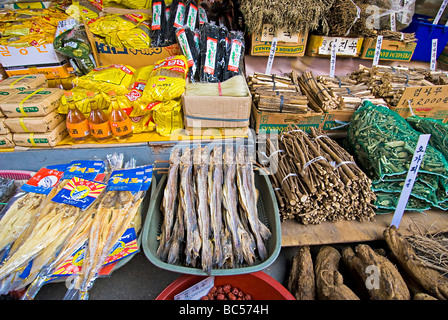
(120, 123)
(76, 121)
(98, 120)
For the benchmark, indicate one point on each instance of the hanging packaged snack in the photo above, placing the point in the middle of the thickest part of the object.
(185, 39)
(168, 117)
(191, 15)
(159, 23)
(116, 77)
(209, 53)
(235, 56)
(223, 44)
(167, 80)
(203, 12)
(176, 20)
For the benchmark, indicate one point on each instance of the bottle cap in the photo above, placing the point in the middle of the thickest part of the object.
(90, 93)
(68, 94)
(111, 93)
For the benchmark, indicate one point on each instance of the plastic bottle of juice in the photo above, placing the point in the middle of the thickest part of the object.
(76, 121)
(120, 123)
(98, 120)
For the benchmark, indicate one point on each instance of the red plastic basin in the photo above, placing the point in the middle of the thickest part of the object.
(258, 284)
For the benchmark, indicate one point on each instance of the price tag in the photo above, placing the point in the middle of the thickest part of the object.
(439, 13)
(419, 153)
(393, 22)
(271, 56)
(379, 44)
(333, 59)
(346, 46)
(433, 55)
(196, 291)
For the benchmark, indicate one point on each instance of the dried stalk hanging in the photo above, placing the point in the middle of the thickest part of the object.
(317, 180)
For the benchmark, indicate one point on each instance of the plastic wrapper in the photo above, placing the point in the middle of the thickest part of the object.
(82, 12)
(381, 11)
(159, 23)
(168, 117)
(167, 81)
(143, 123)
(185, 39)
(116, 77)
(191, 20)
(81, 101)
(175, 20)
(234, 64)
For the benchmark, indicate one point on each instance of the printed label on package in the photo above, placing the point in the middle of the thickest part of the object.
(43, 181)
(79, 192)
(86, 169)
(128, 179)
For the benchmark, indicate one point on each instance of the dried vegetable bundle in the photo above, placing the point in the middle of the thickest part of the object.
(398, 36)
(389, 82)
(211, 221)
(383, 144)
(277, 94)
(317, 180)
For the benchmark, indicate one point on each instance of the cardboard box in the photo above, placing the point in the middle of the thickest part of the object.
(49, 71)
(5, 93)
(23, 82)
(106, 55)
(216, 112)
(49, 139)
(266, 122)
(337, 120)
(425, 101)
(31, 103)
(34, 124)
(6, 141)
(287, 45)
(320, 46)
(391, 50)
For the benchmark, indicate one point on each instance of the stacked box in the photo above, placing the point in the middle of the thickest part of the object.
(30, 113)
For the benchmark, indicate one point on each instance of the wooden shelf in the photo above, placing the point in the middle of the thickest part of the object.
(295, 233)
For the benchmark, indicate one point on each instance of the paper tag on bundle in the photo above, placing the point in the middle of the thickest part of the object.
(393, 22)
(86, 169)
(269, 33)
(133, 180)
(271, 56)
(439, 13)
(433, 55)
(333, 60)
(43, 181)
(79, 192)
(417, 159)
(197, 291)
(345, 46)
(379, 44)
(124, 247)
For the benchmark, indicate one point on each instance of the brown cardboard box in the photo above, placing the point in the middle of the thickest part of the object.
(6, 141)
(261, 45)
(106, 55)
(390, 50)
(216, 112)
(265, 122)
(23, 82)
(60, 69)
(320, 46)
(35, 124)
(31, 103)
(425, 101)
(337, 121)
(49, 139)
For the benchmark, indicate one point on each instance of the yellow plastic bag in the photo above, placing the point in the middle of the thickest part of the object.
(116, 77)
(136, 38)
(168, 117)
(167, 80)
(81, 101)
(143, 123)
(111, 23)
(139, 80)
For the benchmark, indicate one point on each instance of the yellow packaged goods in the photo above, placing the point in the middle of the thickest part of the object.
(136, 38)
(168, 117)
(32, 81)
(6, 141)
(82, 12)
(167, 81)
(49, 139)
(143, 123)
(139, 80)
(34, 124)
(110, 23)
(116, 77)
(31, 103)
(81, 101)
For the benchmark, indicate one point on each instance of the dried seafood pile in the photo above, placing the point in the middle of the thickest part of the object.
(210, 217)
(317, 180)
(389, 82)
(277, 94)
(352, 92)
(347, 273)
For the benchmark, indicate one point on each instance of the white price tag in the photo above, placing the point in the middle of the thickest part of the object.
(197, 291)
(433, 55)
(345, 46)
(439, 13)
(417, 158)
(333, 59)
(379, 44)
(271, 56)
(393, 22)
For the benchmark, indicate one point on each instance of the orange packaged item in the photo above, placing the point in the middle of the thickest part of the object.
(120, 123)
(76, 121)
(98, 120)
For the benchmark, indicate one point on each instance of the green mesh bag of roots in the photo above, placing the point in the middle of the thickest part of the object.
(420, 190)
(385, 142)
(437, 129)
(387, 202)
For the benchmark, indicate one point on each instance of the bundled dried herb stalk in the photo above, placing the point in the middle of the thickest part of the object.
(292, 15)
(277, 94)
(317, 180)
